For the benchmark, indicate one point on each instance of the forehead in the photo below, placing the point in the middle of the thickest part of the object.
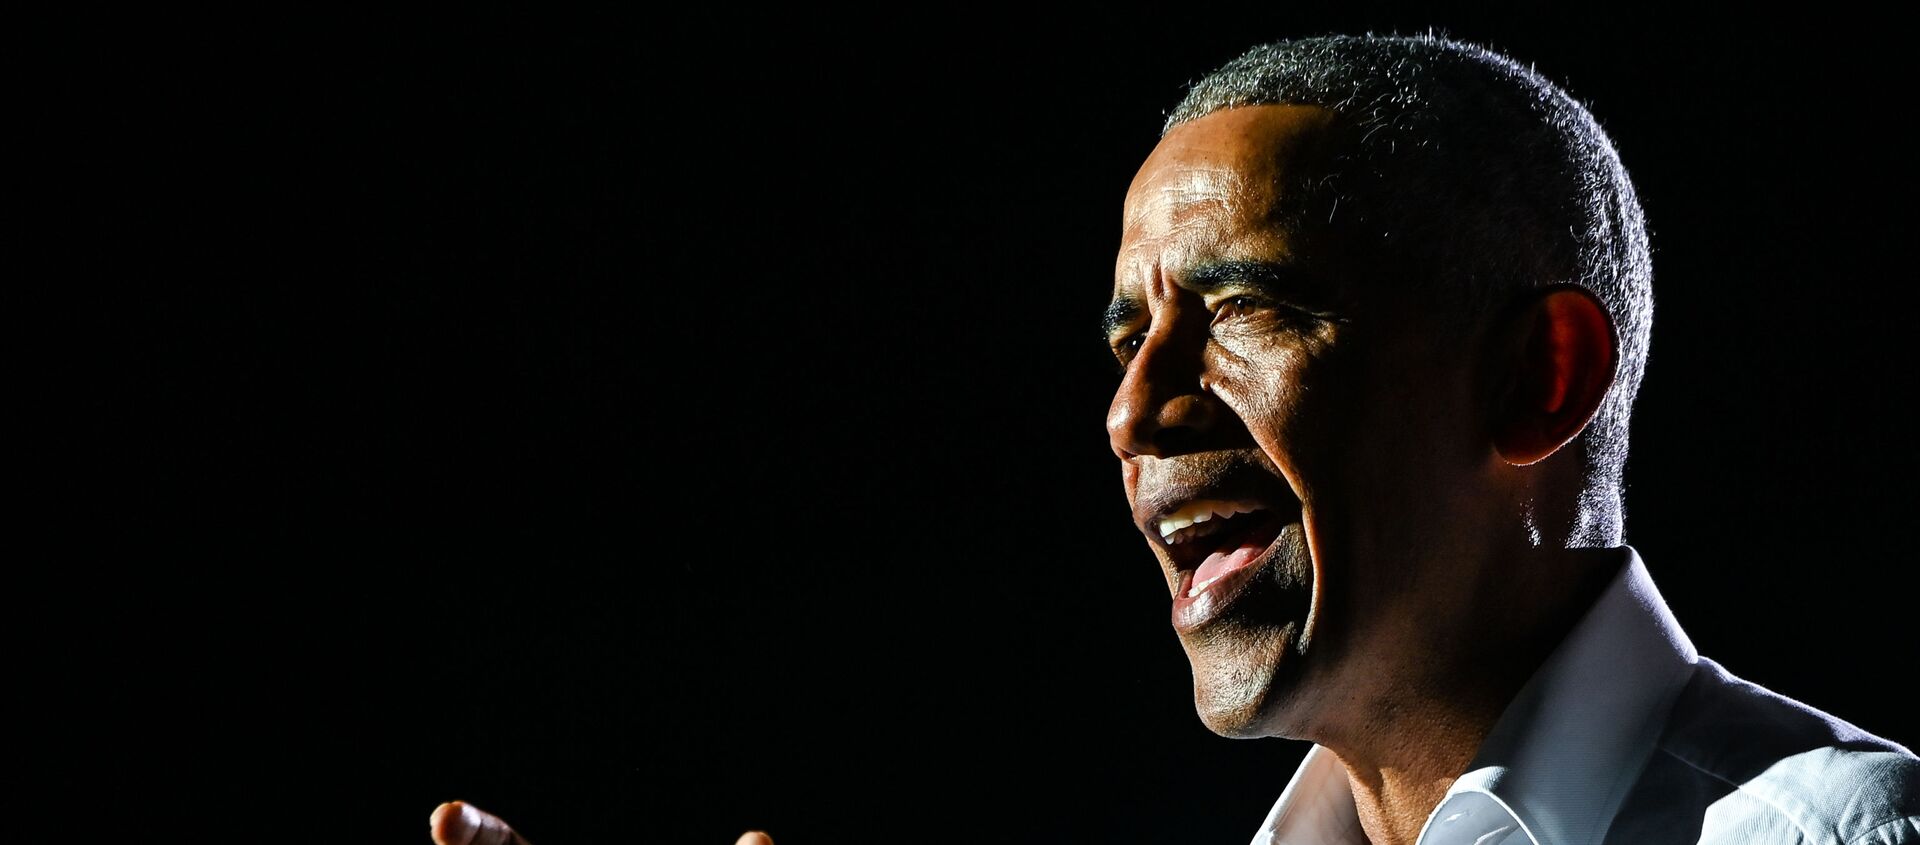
(1212, 187)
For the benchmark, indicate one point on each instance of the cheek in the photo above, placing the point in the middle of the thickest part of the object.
(1278, 395)
(1380, 444)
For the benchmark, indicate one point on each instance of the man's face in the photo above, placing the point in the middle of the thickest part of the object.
(1294, 434)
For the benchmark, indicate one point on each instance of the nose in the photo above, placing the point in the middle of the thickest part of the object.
(1162, 407)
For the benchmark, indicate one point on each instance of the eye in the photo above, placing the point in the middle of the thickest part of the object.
(1124, 348)
(1237, 306)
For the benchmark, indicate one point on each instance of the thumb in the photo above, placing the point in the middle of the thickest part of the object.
(460, 823)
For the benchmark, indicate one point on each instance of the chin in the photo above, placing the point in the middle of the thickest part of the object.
(1241, 683)
(1233, 721)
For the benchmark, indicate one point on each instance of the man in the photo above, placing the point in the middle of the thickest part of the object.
(1381, 307)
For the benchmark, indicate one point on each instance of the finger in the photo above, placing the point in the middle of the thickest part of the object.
(460, 823)
(754, 837)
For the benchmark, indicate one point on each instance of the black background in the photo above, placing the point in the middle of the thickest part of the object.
(649, 428)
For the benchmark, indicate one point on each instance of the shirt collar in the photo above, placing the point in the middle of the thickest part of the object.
(1560, 759)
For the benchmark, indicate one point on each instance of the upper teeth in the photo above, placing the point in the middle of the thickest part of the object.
(1197, 512)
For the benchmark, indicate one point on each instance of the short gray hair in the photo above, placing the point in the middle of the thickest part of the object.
(1533, 191)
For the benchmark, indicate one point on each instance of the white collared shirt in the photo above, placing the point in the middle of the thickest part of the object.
(1626, 735)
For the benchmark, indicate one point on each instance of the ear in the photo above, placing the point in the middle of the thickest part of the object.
(1559, 363)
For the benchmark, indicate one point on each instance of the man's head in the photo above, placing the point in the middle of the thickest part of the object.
(1368, 289)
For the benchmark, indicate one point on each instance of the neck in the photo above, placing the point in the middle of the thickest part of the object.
(1425, 719)
(1394, 798)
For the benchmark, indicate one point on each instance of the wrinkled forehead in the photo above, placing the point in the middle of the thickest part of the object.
(1213, 184)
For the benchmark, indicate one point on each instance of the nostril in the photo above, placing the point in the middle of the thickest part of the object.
(1191, 411)
(1144, 425)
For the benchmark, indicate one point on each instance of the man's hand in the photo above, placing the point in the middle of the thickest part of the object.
(459, 823)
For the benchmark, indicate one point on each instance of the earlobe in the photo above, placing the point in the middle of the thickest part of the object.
(1561, 366)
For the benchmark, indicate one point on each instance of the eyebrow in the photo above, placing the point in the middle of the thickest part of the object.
(1121, 312)
(1268, 277)
(1271, 277)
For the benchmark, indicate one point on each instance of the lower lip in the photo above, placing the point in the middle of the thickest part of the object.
(1191, 613)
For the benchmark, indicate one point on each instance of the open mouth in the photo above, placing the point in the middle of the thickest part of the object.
(1210, 541)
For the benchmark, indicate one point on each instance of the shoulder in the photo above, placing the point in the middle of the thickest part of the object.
(1740, 763)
